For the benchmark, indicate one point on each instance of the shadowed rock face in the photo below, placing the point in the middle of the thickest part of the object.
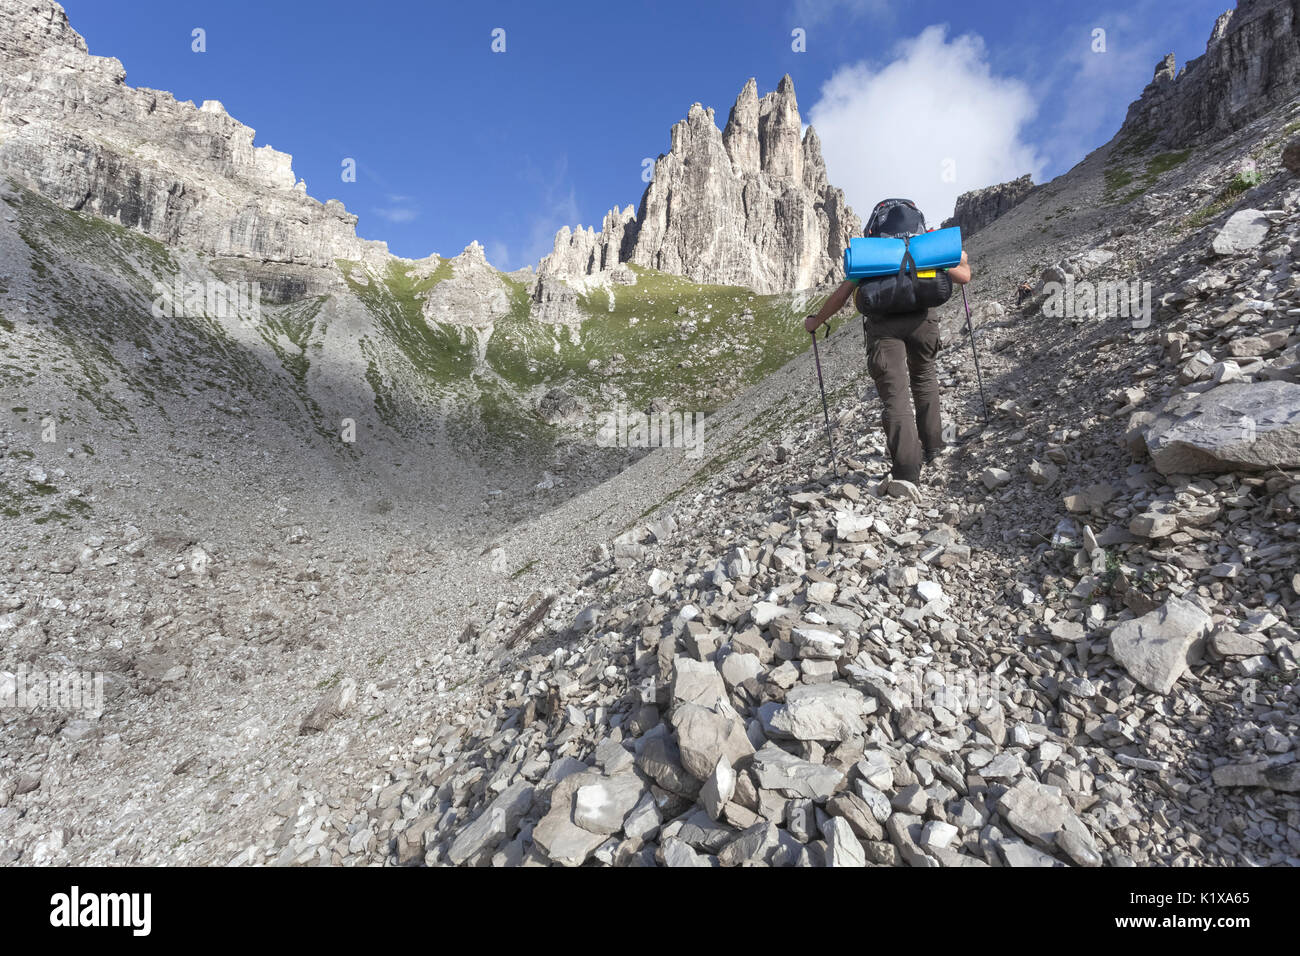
(73, 129)
(746, 205)
(1251, 64)
(979, 207)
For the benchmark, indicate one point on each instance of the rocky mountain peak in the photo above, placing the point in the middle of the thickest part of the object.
(581, 252)
(780, 131)
(474, 293)
(1251, 64)
(710, 213)
(740, 138)
(32, 28)
(188, 176)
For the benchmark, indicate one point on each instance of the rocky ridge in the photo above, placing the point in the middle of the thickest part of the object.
(746, 205)
(976, 209)
(1251, 64)
(188, 176)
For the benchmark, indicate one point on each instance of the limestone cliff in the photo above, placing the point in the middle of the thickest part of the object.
(976, 209)
(1251, 64)
(745, 205)
(72, 128)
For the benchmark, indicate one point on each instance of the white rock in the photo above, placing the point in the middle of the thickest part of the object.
(1245, 230)
(1154, 647)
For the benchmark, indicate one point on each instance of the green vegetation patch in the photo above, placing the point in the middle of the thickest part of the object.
(1118, 178)
(1225, 198)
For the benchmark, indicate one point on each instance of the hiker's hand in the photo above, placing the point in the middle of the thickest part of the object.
(960, 273)
(811, 324)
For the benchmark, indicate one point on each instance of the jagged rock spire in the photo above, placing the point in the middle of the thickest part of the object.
(780, 131)
(740, 138)
(711, 211)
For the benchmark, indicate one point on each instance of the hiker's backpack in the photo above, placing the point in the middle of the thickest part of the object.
(910, 288)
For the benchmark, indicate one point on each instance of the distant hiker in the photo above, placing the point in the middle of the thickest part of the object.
(902, 348)
(1023, 292)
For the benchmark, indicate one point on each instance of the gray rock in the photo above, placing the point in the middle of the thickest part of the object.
(1234, 427)
(643, 820)
(1243, 232)
(905, 833)
(602, 805)
(937, 835)
(880, 806)
(842, 845)
(336, 702)
(1154, 648)
(679, 853)
(704, 736)
(718, 789)
(1291, 156)
(737, 668)
(763, 844)
(1041, 814)
(995, 478)
(556, 835)
(497, 822)
(697, 682)
(1017, 853)
(661, 760)
(558, 406)
(826, 712)
(787, 774)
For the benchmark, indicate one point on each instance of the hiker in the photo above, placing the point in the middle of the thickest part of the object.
(902, 349)
(1023, 292)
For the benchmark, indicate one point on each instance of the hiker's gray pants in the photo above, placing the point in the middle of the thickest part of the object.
(901, 355)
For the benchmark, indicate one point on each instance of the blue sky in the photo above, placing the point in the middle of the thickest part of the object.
(454, 142)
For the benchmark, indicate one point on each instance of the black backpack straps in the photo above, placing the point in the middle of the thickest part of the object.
(907, 269)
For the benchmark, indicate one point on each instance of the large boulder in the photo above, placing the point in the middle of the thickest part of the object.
(558, 406)
(1243, 232)
(499, 821)
(706, 736)
(1235, 427)
(774, 769)
(1155, 647)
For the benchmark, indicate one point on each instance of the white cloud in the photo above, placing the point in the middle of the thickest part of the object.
(401, 209)
(929, 125)
(398, 214)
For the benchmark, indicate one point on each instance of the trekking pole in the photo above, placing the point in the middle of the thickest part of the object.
(826, 412)
(970, 329)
